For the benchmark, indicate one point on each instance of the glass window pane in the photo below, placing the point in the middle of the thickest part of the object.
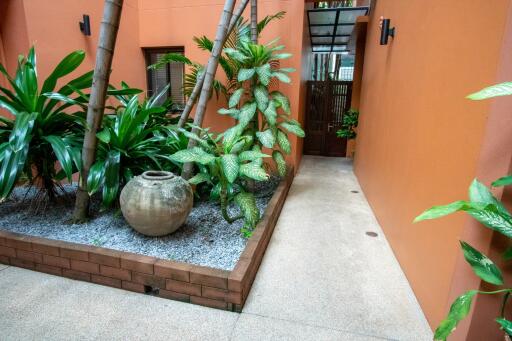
(322, 30)
(321, 40)
(339, 48)
(323, 17)
(350, 16)
(341, 39)
(344, 29)
(322, 48)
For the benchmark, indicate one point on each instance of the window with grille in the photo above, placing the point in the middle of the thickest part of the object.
(172, 73)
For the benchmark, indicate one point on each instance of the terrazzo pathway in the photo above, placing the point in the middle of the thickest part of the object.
(322, 278)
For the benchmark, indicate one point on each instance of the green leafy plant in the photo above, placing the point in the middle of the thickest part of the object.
(259, 112)
(41, 132)
(490, 212)
(226, 161)
(348, 125)
(135, 139)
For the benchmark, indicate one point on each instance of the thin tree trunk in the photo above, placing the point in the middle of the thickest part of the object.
(104, 54)
(213, 63)
(254, 21)
(199, 83)
(254, 39)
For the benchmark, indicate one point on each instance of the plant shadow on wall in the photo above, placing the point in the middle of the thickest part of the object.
(489, 211)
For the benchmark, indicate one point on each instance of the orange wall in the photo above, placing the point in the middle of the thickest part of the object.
(175, 23)
(52, 26)
(419, 139)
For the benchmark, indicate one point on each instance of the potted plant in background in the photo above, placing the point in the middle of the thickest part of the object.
(348, 130)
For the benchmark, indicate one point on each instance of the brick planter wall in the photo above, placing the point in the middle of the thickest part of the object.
(184, 282)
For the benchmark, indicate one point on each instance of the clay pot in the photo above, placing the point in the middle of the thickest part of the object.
(156, 203)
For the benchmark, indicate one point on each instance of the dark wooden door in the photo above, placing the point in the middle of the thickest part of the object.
(327, 101)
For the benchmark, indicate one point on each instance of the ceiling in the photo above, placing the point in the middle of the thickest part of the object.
(330, 28)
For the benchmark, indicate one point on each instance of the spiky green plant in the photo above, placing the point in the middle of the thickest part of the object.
(135, 139)
(226, 161)
(42, 132)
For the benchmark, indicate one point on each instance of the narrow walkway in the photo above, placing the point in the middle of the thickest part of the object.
(322, 278)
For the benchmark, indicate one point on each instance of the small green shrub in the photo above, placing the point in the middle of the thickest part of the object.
(348, 125)
(135, 139)
(41, 132)
(226, 161)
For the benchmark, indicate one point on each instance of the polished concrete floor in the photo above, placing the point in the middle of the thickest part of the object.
(322, 278)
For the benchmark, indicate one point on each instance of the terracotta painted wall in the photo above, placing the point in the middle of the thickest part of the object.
(174, 23)
(419, 140)
(52, 26)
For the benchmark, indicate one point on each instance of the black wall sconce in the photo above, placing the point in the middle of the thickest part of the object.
(386, 31)
(85, 26)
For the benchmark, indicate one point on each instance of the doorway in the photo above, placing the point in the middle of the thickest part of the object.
(327, 101)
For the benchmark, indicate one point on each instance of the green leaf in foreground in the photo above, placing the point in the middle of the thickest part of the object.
(503, 89)
(280, 162)
(482, 265)
(506, 325)
(195, 154)
(247, 205)
(458, 311)
(254, 171)
(442, 210)
(504, 181)
(230, 166)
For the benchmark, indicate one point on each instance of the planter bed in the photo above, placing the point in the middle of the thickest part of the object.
(224, 288)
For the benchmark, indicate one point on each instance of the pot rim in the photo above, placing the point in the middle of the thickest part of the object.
(157, 175)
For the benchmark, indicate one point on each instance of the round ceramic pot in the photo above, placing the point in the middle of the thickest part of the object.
(156, 203)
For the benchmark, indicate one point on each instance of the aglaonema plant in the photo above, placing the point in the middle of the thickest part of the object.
(491, 213)
(41, 132)
(226, 161)
(262, 113)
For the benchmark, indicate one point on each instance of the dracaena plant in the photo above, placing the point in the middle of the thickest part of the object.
(226, 161)
(134, 139)
(490, 212)
(42, 130)
(262, 113)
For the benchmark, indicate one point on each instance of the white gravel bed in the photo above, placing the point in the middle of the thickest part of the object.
(206, 238)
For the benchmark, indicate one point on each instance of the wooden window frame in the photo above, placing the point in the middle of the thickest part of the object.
(147, 56)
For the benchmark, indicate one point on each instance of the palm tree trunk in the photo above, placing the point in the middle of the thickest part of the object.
(199, 83)
(104, 54)
(254, 21)
(211, 68)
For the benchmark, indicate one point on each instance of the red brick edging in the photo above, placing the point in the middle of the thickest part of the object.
(201, 285)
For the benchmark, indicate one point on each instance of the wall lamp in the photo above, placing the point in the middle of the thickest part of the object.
(386, 31)
(85, 26)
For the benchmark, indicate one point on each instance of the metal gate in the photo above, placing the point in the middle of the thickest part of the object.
(327, 101)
